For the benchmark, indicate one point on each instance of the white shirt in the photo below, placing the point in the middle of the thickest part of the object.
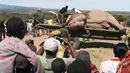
(29, 26)
(77, 11)
(109, 66)
(46, 63)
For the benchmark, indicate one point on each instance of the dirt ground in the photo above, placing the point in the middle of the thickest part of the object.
(99, 50)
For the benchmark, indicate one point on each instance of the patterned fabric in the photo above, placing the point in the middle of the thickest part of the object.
(94, 69)
(10, 47)
(110, 66)
(124, 65)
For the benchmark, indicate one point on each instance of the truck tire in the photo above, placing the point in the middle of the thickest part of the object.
(75, 42)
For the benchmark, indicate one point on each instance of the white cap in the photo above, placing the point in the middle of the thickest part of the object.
(51, 44)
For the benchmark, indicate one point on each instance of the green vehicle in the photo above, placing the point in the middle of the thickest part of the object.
(89, 33)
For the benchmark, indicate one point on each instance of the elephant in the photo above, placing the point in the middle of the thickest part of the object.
(96, 19)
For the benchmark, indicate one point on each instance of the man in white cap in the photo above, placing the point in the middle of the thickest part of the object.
(51, 46)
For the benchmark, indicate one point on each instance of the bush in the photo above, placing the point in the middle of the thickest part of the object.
(120, 18)
(5, 16)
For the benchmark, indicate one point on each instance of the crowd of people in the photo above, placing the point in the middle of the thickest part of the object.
(17, 56)
(23, 57)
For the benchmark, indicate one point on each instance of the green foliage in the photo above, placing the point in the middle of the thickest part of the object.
(123, 19)
(5, 16)
(120, 18)
(49, 15)
(128, 19)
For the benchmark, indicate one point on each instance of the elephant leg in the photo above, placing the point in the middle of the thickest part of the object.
(116, 24)
(113, 22)
(94, 25)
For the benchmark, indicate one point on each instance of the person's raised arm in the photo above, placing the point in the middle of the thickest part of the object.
(41, 50)
(72, 50)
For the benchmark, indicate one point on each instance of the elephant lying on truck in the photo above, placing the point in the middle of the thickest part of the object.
(96, 19)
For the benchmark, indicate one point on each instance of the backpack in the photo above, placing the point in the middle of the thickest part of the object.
(124, 65)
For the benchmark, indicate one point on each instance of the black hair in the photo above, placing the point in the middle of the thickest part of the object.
(66, 6)
(78, 66)
(32, 42)
(129, 45)
(84, 56)
(16, 27)
(39, 10)
(128, 38)
(120, 49)
(129, 42)
(22, 65)
(73, 8)
(50, 53)
(58, 65)
(2, 25)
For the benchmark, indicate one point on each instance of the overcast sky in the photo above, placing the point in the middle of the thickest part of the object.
(109, 5)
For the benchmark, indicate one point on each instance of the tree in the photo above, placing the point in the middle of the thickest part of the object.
(120, 18)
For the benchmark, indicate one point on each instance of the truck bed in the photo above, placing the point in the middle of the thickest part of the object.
(94, 33)
(104, 34)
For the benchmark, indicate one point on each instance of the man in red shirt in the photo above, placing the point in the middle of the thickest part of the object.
(110, 66)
